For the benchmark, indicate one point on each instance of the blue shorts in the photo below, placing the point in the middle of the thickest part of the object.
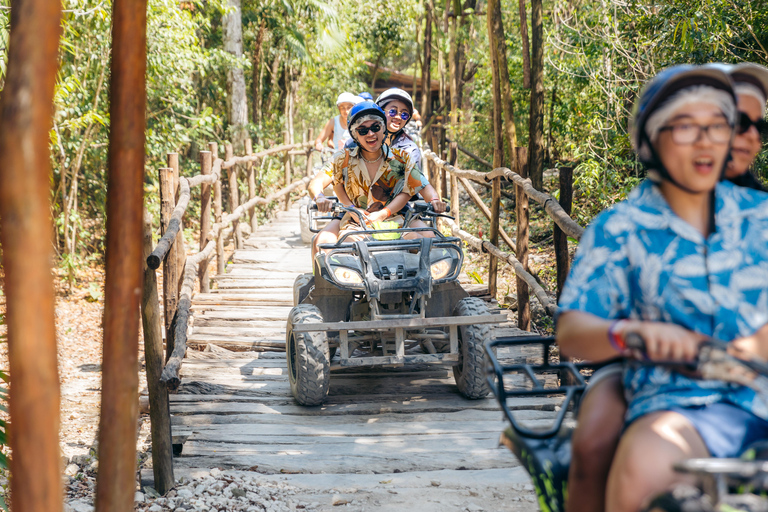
(726, 429)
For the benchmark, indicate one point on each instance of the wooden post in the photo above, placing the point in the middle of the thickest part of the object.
(287, 164)
(217, 212)
(178, 251)
(561, 239)
(435, 178)
(455, 208)
(170, 268)
(234, 195)
(493, 267)
(116, 481)
(251, 186)
(310, 136)
(522, 213)
(26, 233)
(206, 164)
(159, 409)
(444, 156)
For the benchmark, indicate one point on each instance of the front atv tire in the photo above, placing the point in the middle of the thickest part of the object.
(471, 370)
(308, 358)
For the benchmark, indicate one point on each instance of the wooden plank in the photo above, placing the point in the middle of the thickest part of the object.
(269, 330)
(238, 344)
(292, 461)
(313, 433)
(184, 424)
(418, 404)
(231, 325)
(230, 296)
(254, 284)
(265, 313)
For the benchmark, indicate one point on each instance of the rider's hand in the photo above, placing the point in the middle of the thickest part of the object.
(378, 216)
(319, 146)
(666, 342)
(438, 205)
(323, 203)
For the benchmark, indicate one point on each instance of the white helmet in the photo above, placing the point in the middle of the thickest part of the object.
(348, 97)
(395, 94)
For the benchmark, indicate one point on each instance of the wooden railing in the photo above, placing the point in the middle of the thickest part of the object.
(564, 226)
(180, 272)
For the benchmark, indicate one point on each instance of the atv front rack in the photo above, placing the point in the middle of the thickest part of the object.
(400, 326)
(572, 381)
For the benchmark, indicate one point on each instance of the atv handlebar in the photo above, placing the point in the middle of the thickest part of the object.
(716, 362)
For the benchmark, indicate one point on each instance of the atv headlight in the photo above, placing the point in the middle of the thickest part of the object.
(347, 275)
(440, 269)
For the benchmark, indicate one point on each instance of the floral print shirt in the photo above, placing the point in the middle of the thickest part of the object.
(396, 174)
(640, 260)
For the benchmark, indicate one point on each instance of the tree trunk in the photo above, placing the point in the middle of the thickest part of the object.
(536, 122)
(274, 71)
(526, 52)
(498, 132)
(418, 56)
(442, 58)
(426, 76)
(376, 71)
(453, 66)
(283, 88)
(237, 103)
(499, 47)
(257, 72)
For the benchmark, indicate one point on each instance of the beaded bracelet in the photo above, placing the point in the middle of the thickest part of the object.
(617, 340)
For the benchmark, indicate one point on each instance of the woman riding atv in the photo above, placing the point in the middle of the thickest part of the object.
(371, 176)
(601, 412)
(683, 259)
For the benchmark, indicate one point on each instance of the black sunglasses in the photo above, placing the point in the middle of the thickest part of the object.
(375, 128)
(745, 123)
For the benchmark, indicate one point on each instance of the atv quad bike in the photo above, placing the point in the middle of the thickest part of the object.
(380, 299)
(545, 449)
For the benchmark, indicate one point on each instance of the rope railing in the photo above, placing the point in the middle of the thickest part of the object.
(564, 225)
(485, 246)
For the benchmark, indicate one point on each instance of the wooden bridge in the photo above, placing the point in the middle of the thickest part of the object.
(234, 408)
(230, 405)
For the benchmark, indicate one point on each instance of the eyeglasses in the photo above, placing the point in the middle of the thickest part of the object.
(688, 133)
(745, 123)
(394, 113)
(375, 128)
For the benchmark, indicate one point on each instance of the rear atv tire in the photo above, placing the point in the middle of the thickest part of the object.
(301, 287)
(471, 371)
(308, 358)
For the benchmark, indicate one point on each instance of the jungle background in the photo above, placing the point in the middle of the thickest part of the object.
(296, 56)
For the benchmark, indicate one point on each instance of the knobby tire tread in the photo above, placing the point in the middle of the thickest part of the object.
(312, 381)
(470, 373)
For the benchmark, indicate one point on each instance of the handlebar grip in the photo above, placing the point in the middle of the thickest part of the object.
(447, 208)
(634, 341)
(313, 207)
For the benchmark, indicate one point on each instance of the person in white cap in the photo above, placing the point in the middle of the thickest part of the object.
(335, 132)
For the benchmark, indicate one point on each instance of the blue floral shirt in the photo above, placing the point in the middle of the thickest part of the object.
(640, 260)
